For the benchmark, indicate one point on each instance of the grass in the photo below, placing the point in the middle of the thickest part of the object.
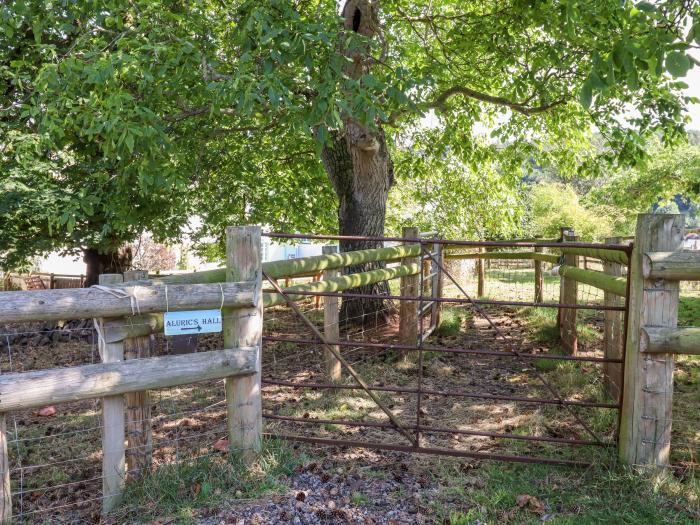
(451, 319)
(689, 310)
(176, 490)
(359, 499)
(529, 494)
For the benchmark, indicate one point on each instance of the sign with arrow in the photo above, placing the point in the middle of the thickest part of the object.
(192, 322)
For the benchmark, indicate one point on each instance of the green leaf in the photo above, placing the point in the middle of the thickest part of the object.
(677, 63)
(585, 96)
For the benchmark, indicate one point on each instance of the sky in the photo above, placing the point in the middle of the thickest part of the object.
(693, 81)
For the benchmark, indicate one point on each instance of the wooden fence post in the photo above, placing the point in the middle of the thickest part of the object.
(613, 330)
(645, 421)
(113, 434)
(243, 327)
(139, 436)
(408, 310)
(481, 274)
(539, 280)
(6, 500)
(331, 322)
(568, 294)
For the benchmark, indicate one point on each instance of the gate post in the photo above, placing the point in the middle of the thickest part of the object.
(331, 319)
(408, 310)
(138, 404)
(113, 433)
(480, 274)
(539, 280)
(568, 294)
(645, 420)
(243, 327)
(613, 330)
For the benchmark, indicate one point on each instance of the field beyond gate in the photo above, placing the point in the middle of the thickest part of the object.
(481, 366)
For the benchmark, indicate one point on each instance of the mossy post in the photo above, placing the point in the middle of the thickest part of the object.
(613, 330)
(243, 328)
(331, 323)
(113, 431)
(568, 294)
(139, 435)
(408, 310)
(645, 423)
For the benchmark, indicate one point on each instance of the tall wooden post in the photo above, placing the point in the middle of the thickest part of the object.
(6, 500)
(331, 323)
(539, 280)
(481, 274)
(113, 433)
(139, 436)
(408, 310)
(568, 294)
(645, 424)
(613, 330)
(243, 327)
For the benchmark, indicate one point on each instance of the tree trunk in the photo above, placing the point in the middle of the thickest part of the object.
(98, 262)
(360, 169)
(361, 179)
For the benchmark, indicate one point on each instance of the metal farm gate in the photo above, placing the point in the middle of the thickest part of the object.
(405, 415)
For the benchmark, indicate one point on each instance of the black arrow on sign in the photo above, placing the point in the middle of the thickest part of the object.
(193, 328)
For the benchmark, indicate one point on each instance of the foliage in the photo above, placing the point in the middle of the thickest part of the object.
(123, 117)
(555, 205)
(152, 256)
(668, 173)
(436, 190)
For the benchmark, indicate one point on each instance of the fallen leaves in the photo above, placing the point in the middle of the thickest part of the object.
(531, 503)
(47, 411)
(221, 445)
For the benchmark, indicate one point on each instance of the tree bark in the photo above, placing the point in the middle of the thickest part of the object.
(98, 261)
(360, 169)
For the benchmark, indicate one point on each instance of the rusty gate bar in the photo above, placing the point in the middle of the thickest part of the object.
(449, 350)
(397, 424)
(429, 430)
(446, 393)
(504, 244)
(458, 300)
(433, 451)
(516, 351)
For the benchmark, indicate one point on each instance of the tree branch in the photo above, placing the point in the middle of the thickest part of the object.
(519, 107)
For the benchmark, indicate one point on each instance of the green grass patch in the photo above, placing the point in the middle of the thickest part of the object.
(530, 494)
(689, 311)
(359, 499)
(177, 489)
(451, 321)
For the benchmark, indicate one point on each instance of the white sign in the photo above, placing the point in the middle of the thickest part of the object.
(192, 322)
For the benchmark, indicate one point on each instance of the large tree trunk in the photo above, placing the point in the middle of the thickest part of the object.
(361, 171)
(361, 179)
(98, 262)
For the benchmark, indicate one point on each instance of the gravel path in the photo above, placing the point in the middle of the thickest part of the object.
(323, 493)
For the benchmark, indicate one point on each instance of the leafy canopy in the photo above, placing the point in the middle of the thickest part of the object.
(118, 117)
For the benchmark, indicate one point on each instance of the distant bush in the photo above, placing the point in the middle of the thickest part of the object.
(556, 205)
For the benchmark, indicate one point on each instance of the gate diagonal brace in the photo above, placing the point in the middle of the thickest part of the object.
(394, 420)
(515, 351)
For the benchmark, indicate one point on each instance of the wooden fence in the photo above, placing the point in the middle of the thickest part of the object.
(41, 281)
(128, 308)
